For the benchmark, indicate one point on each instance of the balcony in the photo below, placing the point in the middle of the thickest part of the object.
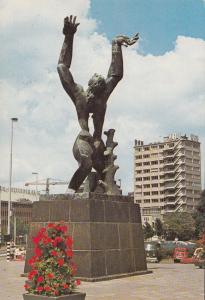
(169, 171)
(169, 179)
(168, 163)
(169, 186)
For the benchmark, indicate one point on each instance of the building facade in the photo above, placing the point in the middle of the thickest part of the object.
(21, 205)
(167, 176)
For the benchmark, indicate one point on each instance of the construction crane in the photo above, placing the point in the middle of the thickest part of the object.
(47, 182)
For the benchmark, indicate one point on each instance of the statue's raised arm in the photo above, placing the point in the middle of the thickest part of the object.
(115, 72)
(65, 59)
(126, 41)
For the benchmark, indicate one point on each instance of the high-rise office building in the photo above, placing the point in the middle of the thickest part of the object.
(167, 176)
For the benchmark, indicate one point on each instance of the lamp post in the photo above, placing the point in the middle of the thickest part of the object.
(36, 173)
(10, 176)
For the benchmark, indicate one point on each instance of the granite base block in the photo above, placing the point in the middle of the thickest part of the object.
(107, 233)
(72, 296)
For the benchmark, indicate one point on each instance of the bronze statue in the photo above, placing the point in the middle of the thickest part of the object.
(89, 150)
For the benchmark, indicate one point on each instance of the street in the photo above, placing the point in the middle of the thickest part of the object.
(168, 281)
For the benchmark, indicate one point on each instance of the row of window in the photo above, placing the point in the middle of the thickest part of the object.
(153, 193)
(148, 163)
(192, 153)
(152, 185)
(190, 160)
(152, 170)
(150, 178)
(170, 145)
(195, 192)
(151, 210)
(167, 161)
(160, 146)
(148, 155)
(150, 201)
(17, 190)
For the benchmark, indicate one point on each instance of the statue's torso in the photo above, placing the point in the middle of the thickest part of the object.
(86, 106)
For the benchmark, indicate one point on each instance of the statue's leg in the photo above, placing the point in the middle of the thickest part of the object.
(91, 182)
(98, 158)
(81, 173)
(82, 151)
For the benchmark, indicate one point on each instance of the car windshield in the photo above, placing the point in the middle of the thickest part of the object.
(150, 247)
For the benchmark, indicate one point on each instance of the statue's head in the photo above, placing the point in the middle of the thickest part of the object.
(96, 84)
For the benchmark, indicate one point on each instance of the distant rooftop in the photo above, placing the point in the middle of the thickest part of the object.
(170, 138)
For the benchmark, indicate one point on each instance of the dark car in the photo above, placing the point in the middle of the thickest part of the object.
(153, 251)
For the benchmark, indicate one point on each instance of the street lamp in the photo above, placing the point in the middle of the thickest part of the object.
(10, 176)
(36, 173)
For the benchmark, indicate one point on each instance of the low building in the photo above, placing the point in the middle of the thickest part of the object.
(21, 206)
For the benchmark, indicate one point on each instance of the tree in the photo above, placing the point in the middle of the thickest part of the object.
(180, 225)
(199, 216)
(148, 230)
(158, 227)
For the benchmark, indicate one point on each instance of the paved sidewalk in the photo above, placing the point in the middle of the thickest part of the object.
(167, 282)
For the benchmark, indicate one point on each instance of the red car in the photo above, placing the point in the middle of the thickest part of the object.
(180, 254)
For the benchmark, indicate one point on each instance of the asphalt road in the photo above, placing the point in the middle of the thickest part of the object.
(168, 281)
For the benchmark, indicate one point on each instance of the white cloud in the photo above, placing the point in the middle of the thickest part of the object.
(158, 94)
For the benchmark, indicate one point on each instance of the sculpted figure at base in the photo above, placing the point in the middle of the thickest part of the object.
(89, 149)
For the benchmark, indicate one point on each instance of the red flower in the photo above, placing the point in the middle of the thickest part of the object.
(39, 236)
(32, 274)
(65, 286)
(50, 275)
(38, 252)
(58, 239)
(54, 253)
(42, 230)
(77, 282)
(69, 242)
(36, 239)
(39, 288)
(51, 225)
(40, 279)
(69, 253)
(60, 262)
(56, 292)
(54, 243)
(47, 288)
(47, 240)
(32, 260)
(26, 286)
(62, 228)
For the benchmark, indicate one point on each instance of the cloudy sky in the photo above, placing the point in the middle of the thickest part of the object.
(162, 92)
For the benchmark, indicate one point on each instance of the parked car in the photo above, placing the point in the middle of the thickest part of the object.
(153, 251)
(180, 254)
(168, 247)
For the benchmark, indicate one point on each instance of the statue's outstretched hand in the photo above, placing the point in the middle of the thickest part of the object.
(126, 41)
(70, 25)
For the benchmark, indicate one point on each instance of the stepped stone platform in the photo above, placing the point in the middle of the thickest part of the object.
(107, 233)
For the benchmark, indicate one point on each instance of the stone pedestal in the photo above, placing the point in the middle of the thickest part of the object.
(107, 233)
